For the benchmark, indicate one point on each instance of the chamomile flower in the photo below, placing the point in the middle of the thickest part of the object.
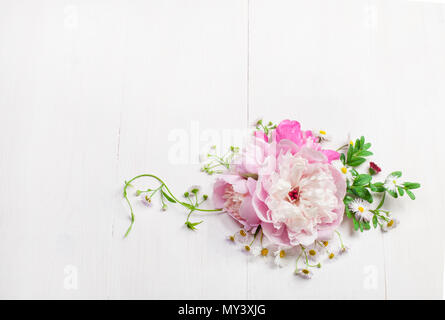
(391, 183)
(361, 209)
(391, 224)
(343, 250)
(280, 257)
(305, 273)
(321, 135)
(332, 256)
(231, 238)
(313, 253)
(242, 237)
(146, 200)
(264, 252)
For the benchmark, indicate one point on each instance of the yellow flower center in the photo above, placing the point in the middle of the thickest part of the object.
(264, 252)
(322, 132)
(390, 223)
(361, 209)
(232, 238)
(305, 271)
(331, 256)
(247, 248)
(344, 170)
(282, 254)
(394, 181)
(325, 243)
(312, 252)
(242, 233)
(351, 143)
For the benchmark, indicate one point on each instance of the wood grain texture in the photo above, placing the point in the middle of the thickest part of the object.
(94, 92)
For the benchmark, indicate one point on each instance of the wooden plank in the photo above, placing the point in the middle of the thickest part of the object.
(310, 61)
(185, 78)
(60, 100)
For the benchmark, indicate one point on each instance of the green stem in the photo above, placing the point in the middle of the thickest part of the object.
(381, 202)
(339, 237)
(128, 183)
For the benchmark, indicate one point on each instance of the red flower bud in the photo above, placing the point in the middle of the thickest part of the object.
(373, 168)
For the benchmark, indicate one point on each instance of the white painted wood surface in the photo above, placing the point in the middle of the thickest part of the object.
(94, 92)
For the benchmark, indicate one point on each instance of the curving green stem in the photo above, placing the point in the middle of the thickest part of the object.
(163, 185)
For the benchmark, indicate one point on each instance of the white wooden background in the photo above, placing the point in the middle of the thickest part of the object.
(94, 92)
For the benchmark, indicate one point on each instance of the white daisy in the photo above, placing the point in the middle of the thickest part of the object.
(391, 183)
(361, 209)
(346, 173)
(305, 273)
(321, 135)
(343, 250)
(259, 251)
(313, 252)
(146, 200)
(280, 257)
(242, 237)
(391, 224)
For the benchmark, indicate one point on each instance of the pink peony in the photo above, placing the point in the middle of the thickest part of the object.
(302, 200)
(234, 194)
(287, 185)
(291, 130)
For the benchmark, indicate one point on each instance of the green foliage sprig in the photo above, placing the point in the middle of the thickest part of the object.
(260, 126)
(363, 187)
(217, 164)
(194, 201)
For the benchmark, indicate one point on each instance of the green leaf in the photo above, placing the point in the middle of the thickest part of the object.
(393, 193)
(401, 192)
(366, 225)
(397, 174)
(188, 206)
(362, 193)
(360, 224)
(374, 221)
(348, 213)
(410, 194)
(191, 225)
(356, 161)
(377, 187)
(364, 153)
(350, 153)
(356, 224)
(362, 180)
(167, 196)
(366, 146)
(357, 152)
(348, 199)
(411, 185)
(342, 158)
(357, 145)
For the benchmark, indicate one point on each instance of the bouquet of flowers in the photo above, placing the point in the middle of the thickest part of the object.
(289, 194)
